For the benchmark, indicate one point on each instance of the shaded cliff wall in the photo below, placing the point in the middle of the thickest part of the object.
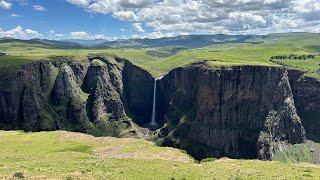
(138, 93)
(306, 92)
(237, 112)
(75, 95)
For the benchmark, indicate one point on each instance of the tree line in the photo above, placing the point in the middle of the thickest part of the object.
(159, 54)
(293, 56)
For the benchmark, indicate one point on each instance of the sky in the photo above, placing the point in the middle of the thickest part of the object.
(123, 19)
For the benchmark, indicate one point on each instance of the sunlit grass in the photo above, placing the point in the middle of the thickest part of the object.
(62, 155)
(223, 54)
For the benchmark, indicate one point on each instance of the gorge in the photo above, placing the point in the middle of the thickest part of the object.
(210, 111)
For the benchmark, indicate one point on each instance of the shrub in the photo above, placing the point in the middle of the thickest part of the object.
(208, 160)
(18, 175)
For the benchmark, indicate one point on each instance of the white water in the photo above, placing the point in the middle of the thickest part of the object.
(153, 118)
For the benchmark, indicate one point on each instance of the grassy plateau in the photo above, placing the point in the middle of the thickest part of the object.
(227, 54)
(67, 155)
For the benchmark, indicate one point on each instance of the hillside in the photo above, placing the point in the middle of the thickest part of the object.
(188, 41)
(44, 43)
(227, 53)
(66, 155)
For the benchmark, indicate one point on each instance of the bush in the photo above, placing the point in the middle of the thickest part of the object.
(18, 175)
(293, 56)
(208, 160)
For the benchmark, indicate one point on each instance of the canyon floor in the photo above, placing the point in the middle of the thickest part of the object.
(68, 155)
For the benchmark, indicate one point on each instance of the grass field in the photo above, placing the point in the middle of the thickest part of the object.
(223, 54)
(66, 155)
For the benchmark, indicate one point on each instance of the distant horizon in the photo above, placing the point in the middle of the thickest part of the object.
(301, 32)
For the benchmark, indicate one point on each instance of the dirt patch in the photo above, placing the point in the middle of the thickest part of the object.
(64, 135)
(118, 152)
(307, 165)
(111, 147)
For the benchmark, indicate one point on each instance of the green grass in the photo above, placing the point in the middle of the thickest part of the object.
(297, 153)
(223, 54)
(308, 152)
(65, 155)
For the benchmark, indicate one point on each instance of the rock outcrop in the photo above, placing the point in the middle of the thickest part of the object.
(87, 95)
(239, 112)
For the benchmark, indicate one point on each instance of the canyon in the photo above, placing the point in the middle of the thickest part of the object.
(209, 111)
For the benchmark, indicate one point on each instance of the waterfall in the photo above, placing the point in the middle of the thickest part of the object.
(153, 118)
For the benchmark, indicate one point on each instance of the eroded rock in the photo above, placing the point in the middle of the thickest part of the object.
(237, 112)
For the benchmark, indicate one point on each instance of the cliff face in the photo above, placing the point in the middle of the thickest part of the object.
(240, 112)
(138, 93)
(23, 98)
(74, 95)
(306, 92)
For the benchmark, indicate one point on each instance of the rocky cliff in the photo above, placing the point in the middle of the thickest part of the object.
(87, 95)
(240, 112)
(138, 92)
(306, 92)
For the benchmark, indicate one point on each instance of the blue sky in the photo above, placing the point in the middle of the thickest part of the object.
(118, 19)
(62, 18)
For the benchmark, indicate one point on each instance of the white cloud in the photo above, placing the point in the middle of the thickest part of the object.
(244, 20)
(5, 5)
(307, 9)
(86, 36)
(136, 3)
(125, 15)
(100, 36)
(212, 16)
(15, 15)
(52, 34)
(59, 35)
(20, 33)
(156, 35)
(79, 35)
(103, 6)
(39, 8)
(137, 27)
(79, 2)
